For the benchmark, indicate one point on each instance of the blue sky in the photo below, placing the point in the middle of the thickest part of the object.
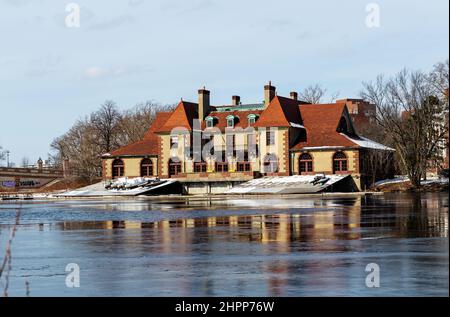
(162, 50)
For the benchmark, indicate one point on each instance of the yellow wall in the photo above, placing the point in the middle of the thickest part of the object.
(132, 166)
(278, 148)
(165, 153)
(323, 161)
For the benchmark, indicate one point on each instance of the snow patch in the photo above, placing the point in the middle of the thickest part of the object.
(368, 144)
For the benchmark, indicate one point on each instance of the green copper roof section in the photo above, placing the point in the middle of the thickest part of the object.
(246, 107)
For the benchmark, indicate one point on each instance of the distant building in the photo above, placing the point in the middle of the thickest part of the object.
(361, 112)
(279, 136)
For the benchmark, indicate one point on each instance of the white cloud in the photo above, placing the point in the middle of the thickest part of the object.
(113, 22)
(95, 72)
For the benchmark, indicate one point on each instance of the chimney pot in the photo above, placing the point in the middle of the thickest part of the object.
(203, 103)
(269, 93)
(294, 95)
(236, 100)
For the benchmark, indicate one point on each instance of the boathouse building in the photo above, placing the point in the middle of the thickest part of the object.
(281, 136)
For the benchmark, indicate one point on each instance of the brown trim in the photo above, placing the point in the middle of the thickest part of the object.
(161, 158)
(152, 166)
(357, 162)
(330, 149)
(128, 156)
(119, 170)
(299, 161)
(339, 172)
(287, 158)
(177, 165)
(104, 169)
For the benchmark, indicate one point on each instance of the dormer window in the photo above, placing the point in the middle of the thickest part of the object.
(209, 122)
(230, 121)
(251, 119)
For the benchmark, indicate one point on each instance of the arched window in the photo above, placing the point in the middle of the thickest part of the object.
(271, 163)
(340, 164)
(174, 168)
(230, 121)
(146, 167)
(251, 119)
(210, 121)
(306, 163)
(118, 168)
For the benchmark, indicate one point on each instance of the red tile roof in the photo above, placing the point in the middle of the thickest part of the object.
(150, 144)
(280, 113)
(221, 118)
(182, 116)
(160, 119)
(321, 123)
(140, 148)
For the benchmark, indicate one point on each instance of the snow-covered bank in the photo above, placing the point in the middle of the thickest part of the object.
(402, 183)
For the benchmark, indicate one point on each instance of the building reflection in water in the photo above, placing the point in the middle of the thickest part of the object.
(277, 234)
(427, 217)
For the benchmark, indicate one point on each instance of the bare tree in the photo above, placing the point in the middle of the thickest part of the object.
(103, 131)
(439, 79)
(136, 121)
(313, 94)
(25, 162)
(2, 154)
(409, 112)
(105, 126)
(81, 146)
(334, 96)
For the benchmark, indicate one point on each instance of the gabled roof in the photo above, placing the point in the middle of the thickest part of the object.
(160, 119)
(183, 116)
(281, 112)
(321, 122)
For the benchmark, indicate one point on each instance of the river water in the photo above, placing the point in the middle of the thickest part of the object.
(234, 247)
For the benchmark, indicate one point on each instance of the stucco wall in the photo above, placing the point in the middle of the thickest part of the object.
(132, 167)
(279, 148)
(323, 161)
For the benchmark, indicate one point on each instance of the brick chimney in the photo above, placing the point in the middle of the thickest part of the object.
(294, 95)
(269, 93)
(236, 100)
(203, 103)
(40, 164)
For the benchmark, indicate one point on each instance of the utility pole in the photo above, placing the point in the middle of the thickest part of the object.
(7, 158)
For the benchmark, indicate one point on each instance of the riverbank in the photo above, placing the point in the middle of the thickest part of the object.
(400, 184)
(215, 197)
(403, 184)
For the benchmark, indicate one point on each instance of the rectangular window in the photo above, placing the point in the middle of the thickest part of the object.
(231, 144)
(270, 138)
(221, 167)
(252, 147)
(174, 142)
(244, 167)
(200, 167)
